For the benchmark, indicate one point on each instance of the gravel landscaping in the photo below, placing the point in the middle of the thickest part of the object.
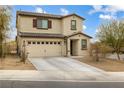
(104, 64)
(12, 62)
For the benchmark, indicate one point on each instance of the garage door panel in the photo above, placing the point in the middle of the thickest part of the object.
(54, 50)
(42, 50)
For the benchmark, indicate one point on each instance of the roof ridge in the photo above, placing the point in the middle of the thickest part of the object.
(47, 14)
(38, 13)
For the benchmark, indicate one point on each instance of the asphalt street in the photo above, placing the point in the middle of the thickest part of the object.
(59, 84)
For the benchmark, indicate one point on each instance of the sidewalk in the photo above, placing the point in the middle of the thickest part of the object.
(31, 75)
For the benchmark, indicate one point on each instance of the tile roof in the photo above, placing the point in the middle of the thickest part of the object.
(40, 35)
(46, 15)
(46, 35)
(79, 33)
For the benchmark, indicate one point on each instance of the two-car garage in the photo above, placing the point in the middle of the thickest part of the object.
(41, 45)
(44, 48)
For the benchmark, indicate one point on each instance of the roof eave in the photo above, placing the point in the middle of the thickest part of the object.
(79, 33)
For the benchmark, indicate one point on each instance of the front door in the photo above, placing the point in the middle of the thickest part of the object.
(71, 48)
(74, 47)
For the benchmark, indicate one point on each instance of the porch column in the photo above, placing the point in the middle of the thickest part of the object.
(68, 47)
(79, 47)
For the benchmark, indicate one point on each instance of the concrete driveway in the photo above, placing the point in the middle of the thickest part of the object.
(63, 68)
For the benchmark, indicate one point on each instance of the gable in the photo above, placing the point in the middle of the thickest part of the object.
(73, 15)
(79, 34)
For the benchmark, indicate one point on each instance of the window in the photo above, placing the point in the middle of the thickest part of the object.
(54, 42)
(42, 42)
(59, 43)
(73, 24)
(29, 42)
(33, 42)
(84, 44)
(47, 42)
(42, 23)
(51, 42)
(38, 42)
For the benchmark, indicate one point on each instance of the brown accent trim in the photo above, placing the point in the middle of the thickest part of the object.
(34, 23)
(40, 35)
(49, 24)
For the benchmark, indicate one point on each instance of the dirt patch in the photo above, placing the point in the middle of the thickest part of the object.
(105, 64)
(12, 62)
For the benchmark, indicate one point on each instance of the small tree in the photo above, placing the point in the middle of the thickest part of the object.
(94, 51)
(5, 16)
(24, 56)
(104, 49)
(112, 34)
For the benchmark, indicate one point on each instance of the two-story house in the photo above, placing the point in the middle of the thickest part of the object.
(40, 35)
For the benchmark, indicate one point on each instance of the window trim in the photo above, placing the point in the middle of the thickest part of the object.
(82, 48)
(74, 25)
(41, 27)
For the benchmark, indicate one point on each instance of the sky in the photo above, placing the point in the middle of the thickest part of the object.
(94, 14)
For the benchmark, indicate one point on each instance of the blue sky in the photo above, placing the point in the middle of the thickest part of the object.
(94, 15)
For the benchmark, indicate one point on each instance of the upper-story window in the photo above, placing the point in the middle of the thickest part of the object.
(73, 24)
(42, 23)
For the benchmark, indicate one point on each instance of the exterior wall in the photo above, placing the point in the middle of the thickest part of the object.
(59, 26)
(66, 25)
(27, 25)
(63, 46)
(79, 50)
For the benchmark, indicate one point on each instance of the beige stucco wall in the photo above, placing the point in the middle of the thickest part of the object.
(59, 26)
(66, 25)
(27, 26)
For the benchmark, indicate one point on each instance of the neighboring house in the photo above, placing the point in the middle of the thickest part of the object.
(40, 34)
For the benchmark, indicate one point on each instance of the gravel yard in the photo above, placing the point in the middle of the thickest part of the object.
(104, 64)
(12, 62)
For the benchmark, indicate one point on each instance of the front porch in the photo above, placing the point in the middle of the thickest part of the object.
(78, 44)
(73, 47)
